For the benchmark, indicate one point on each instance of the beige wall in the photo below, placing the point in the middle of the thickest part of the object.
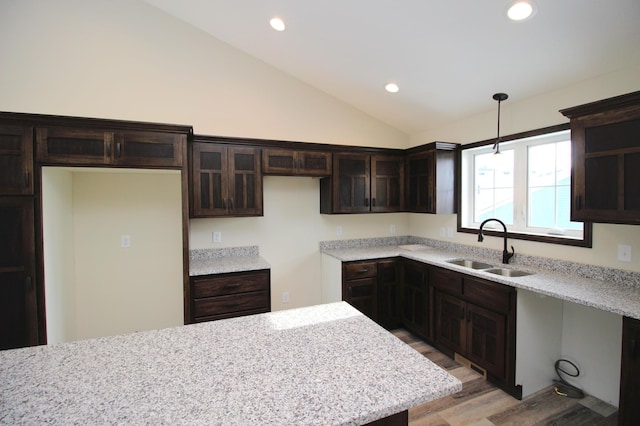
(289, 233)
(518, 115)
(95, 287)
(57, 208)
(127, 60)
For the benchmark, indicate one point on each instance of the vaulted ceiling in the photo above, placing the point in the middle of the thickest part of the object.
(448, 57)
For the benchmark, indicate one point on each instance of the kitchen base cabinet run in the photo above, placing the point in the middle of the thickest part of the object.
(230, 295)
(372, 288)
(476, 319)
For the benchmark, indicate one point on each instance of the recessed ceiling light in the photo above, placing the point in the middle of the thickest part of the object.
(520, 10)
(391, 88)
(277, 24)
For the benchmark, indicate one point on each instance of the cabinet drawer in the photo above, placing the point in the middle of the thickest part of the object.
(450, 282)
(356, 270)
(230, 284)
(487, 294)
(231, 303)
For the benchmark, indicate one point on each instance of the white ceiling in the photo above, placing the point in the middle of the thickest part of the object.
(448, 57)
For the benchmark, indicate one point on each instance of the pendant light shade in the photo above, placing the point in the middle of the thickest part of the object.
(498, 97)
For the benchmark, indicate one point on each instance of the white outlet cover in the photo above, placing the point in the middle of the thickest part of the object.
(624, 253)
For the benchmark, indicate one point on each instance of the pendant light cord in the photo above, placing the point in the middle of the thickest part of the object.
(498, 97)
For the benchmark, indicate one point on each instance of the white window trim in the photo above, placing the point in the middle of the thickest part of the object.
(520, 181)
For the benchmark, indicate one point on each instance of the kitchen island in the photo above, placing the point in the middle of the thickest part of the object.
(325, 364)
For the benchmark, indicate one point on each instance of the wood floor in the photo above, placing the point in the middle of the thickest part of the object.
(481, 403)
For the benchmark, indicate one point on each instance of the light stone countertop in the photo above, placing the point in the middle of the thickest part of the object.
(604, 294)
(221, 261)
(325, 364)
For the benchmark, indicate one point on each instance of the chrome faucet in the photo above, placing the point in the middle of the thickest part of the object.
(505, 253)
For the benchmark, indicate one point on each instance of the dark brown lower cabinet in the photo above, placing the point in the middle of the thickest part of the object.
(230, 295)
(18, 303)
(629, 410)
(371, 286)
(359, 286)
(415, 297)
(388, 294)
(450, 324)
(476, 318)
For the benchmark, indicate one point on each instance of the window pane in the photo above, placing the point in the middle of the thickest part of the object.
(549, 186)
(493, 195)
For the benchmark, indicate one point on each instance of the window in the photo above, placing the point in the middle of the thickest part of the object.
(527, 186)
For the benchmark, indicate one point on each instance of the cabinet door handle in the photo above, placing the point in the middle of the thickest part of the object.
(224, 203)
(373, 202)
(366, 202)
(363, 270)
(118, 149)
(230, 203)
(300, 164)
(28, 283)
(26, 179)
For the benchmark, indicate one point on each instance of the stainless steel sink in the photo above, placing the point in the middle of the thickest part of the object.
(508, 272)
(468, 263)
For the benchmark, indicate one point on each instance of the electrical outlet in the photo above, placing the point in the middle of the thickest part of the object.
(392, 229)
(450, 232)
(216, 237)
(285, 297)
(125, 241)
(624, 253)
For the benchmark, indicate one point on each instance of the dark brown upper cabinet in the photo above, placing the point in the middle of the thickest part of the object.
(363, 183)
(605, 146)
(285, 162)
(16, 160)
(225, 180)
(109, 147)
(431, 177)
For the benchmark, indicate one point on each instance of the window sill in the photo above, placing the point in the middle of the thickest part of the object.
(549, 239)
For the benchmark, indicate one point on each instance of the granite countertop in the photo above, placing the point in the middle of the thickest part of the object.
(325, 364)
(609, 291)
(220, 261)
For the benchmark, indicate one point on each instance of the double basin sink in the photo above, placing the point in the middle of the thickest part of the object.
(486, 267)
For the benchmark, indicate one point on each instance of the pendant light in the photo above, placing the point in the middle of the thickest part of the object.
(498, 97)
